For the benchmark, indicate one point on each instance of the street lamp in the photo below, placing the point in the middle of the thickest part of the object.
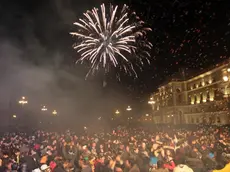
(23, 101)
(44, 108)
(151, 101)
(117, 112)
(129, 108)
(225, 78)
(54, 112)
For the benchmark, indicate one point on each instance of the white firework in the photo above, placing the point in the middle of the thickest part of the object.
(116, 38)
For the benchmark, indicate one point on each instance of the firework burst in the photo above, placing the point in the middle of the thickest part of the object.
(110, 39)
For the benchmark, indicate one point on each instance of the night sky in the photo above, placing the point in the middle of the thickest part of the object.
(188, 35)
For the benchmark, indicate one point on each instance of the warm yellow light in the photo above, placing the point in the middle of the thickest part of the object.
(23, 101)
(146, 114)
(129, 108)
(198, 102)
(117, 112)
(44, 108)
(225, 78)
(197, 85)
(211, 99)
(54, 112)
(203, 83)
(210, 81)
(151, 101)
(204, 100)
(192, 103)
(14, 116)
(228, 69)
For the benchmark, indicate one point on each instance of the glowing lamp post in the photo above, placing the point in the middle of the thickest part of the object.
(44, 108)
(117, 112)
(54, 113)
(23, 101)
(129, 108)
(151, 101)
(225, 78)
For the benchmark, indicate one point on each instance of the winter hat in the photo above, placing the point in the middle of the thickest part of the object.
(182, 168)
(44, 167)
(36, 170)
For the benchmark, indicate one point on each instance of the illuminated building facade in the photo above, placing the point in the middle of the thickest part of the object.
(200, 99)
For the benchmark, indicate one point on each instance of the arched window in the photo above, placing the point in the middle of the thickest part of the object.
(197, 110)
(180, 117)
(210, 120)
(213, 80)
(218, 94)
(189, 99)
(179, 96)
(201, 97)
(218, 120)
(192, 120)
(204, 120)
(208, 96)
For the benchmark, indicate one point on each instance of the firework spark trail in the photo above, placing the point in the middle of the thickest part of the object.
(112, 39)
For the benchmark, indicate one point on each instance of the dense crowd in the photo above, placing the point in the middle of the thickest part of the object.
(121, 150)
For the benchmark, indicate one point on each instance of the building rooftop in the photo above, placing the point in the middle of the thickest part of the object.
(183, 75)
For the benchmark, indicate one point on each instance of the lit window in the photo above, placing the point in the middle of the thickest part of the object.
(192, 120)
(225, 78)
(218, 120)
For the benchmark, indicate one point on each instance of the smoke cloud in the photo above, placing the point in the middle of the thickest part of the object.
(33, 64)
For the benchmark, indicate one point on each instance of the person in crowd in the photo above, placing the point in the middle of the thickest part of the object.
(122, 150)
(160, 167)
